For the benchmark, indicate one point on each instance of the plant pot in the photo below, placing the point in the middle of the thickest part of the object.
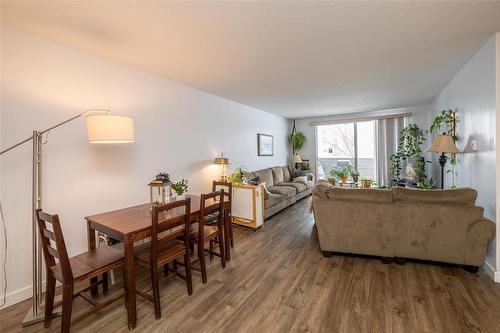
(355, 179)
(366, 183)
(344, 179)
(180, 196)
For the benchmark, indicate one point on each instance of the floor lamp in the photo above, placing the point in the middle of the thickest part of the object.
(102, 127)
(443, 144)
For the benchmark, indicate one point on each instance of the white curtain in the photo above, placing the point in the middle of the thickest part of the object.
(387, 135)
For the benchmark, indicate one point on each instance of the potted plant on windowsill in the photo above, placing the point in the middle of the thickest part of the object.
(355, 175)
(367, 182)
(342, 174)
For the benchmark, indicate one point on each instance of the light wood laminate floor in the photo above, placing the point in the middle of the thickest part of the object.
(278, 281)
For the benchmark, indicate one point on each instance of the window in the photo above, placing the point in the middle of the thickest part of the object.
(350, 143)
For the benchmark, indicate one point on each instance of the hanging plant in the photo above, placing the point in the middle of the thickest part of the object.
(446, 123)
(298, 140)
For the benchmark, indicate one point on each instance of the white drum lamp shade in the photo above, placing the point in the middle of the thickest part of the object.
(109, 128)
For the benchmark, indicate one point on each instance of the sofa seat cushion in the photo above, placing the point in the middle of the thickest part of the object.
(458, 196)
(277, 174)
(359, 194)
(298, 186)
(273, 199)
(265, 176)
(287, 191)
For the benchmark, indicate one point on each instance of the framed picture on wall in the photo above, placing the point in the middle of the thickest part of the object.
(265, 144)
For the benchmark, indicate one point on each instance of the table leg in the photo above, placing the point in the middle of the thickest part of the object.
(227, 241)
(94, 291)
(129, 271)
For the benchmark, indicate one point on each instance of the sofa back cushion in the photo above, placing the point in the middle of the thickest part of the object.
(266, 176)
(359, 194)
(459, 196)
(286, 174)
(248, 176)
(277, 174)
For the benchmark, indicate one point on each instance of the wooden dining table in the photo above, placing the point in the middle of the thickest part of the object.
(129, 225)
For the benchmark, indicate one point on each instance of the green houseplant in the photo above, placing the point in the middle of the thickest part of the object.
(411, 138)
(342, 174)
(236, 177)
(446, 123)
(297, 141)
(180, 187)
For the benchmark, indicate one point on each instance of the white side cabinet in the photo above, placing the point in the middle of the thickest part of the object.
(248, 205)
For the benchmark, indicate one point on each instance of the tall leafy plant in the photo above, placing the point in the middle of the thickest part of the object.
(446, 123)
(411, 138)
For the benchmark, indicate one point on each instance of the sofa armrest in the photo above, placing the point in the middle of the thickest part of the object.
(479, 234)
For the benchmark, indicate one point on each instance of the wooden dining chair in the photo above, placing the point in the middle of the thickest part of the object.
(228, 199)
(170, 222)
(69, 271)
(211, 212)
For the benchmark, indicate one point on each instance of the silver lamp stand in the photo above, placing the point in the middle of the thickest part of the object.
(36, 314)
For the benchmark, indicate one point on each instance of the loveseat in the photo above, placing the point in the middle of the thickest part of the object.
(282, 187)
(436, 225)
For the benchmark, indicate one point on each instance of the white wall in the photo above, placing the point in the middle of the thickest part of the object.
(472, 94)
(304, 125)
(178, 129)
(497, 138)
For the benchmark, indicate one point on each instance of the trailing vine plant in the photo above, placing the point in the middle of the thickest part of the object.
(446, 123)
(411, 138)
(297, 139)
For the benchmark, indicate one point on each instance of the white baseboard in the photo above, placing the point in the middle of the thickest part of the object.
(494, 274)
(19, 296)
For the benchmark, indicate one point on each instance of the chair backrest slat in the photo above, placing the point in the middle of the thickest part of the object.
(50, 253)
(49, 234)
(170, 221)
(53, 252)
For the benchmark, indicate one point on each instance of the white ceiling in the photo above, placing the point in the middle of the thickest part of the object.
(295, 59)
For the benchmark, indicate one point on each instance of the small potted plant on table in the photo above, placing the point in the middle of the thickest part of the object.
(180, 187)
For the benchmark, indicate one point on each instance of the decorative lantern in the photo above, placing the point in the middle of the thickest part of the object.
(159, 191)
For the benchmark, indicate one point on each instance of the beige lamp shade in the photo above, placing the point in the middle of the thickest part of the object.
(221, 160)
(109, 128)
(443, 144)
(296, 158)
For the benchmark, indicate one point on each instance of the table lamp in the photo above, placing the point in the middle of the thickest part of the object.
(223, 162)
(443, 144)
(296, 160)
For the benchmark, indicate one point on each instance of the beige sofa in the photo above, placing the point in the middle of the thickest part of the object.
(283, 189)
(437, 225)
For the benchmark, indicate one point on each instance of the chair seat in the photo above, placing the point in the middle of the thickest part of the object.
(168, 250)
(208, 231)
(91, 263)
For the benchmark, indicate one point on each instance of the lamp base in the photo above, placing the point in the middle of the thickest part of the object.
(31, 318)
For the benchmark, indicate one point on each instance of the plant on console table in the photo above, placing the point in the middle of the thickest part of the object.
(237, 176)
(180, 187)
